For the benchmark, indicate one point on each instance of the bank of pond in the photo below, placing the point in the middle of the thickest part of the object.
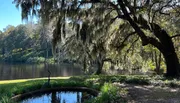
(81, 89)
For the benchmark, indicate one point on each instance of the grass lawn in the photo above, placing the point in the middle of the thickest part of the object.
(104, 84)
(24, 80)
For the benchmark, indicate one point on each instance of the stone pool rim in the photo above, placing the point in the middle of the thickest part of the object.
(41, 91)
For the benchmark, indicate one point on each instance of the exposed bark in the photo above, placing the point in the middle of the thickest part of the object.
(133, 24)
(100, 67)
(164, 44)
(157, 62)
(168, 51)
(85, 64)
(172, 65)
(49, 77)
(178, 35)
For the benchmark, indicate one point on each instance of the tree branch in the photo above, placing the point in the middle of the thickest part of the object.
(127, 37)
(121, 45)
(133, 24)
(178, 35)
(132, 45)
(155, 43)
(145, 39)
(89, 1)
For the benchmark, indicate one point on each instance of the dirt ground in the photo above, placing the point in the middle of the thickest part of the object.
(151, 94)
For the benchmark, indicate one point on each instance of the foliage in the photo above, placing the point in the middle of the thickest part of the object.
(104, 28)
(36, 60)
(109, 92)
(22, 44)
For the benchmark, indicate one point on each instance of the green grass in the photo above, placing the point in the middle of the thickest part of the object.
(14, 87)
(109, 94)
(24, 80)
(103, 83)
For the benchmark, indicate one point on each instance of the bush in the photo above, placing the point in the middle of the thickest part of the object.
(109, 94)
(138, 80)
(36, 60)
(6, 99)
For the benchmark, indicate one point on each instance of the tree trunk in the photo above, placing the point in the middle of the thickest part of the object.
(172, 65)
(168, 51)
(100, 66)
(157, 62)
(85, 65)
(164, 42)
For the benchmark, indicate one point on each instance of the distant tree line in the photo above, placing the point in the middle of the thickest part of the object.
(26, 43)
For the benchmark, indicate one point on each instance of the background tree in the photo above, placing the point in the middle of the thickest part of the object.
(23, 43)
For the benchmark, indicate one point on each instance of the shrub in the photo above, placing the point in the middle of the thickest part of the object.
(109, 94)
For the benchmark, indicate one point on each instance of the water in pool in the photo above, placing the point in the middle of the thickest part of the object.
(59, 97)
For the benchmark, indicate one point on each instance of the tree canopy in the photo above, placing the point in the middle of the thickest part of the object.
(25, 43)
(105, 24)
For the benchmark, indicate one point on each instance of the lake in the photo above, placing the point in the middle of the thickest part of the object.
(26, 71)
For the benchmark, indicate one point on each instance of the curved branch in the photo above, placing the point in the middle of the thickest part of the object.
(127, 37)
(145, 39)
(132, 45)
(133, 24)
(178, 35)
(156, 43)
(121, 45)
(117, 10)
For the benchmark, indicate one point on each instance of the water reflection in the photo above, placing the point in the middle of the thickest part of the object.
(60, 97)
(24, 71)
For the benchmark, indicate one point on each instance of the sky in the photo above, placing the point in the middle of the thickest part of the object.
(9, 14)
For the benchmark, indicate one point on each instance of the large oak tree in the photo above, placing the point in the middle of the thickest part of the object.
(145, 18)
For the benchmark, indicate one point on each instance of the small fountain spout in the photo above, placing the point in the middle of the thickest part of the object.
(49, 77)
(47, 84)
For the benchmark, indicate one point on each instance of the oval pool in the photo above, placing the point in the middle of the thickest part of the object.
(59, 97)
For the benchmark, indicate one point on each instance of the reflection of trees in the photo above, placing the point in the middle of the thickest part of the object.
(54, 98)
(78, 97)
(85, 96)
(64, 101)
(15, 71)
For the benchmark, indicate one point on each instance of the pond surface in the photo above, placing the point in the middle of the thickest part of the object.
(60, 97)
(25, 71)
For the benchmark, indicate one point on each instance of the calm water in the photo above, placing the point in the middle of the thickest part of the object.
(24, 71)
(59, 97)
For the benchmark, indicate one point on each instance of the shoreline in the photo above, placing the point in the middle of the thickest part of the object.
(24, 80)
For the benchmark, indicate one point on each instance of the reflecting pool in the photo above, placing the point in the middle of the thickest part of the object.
(60, 97)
